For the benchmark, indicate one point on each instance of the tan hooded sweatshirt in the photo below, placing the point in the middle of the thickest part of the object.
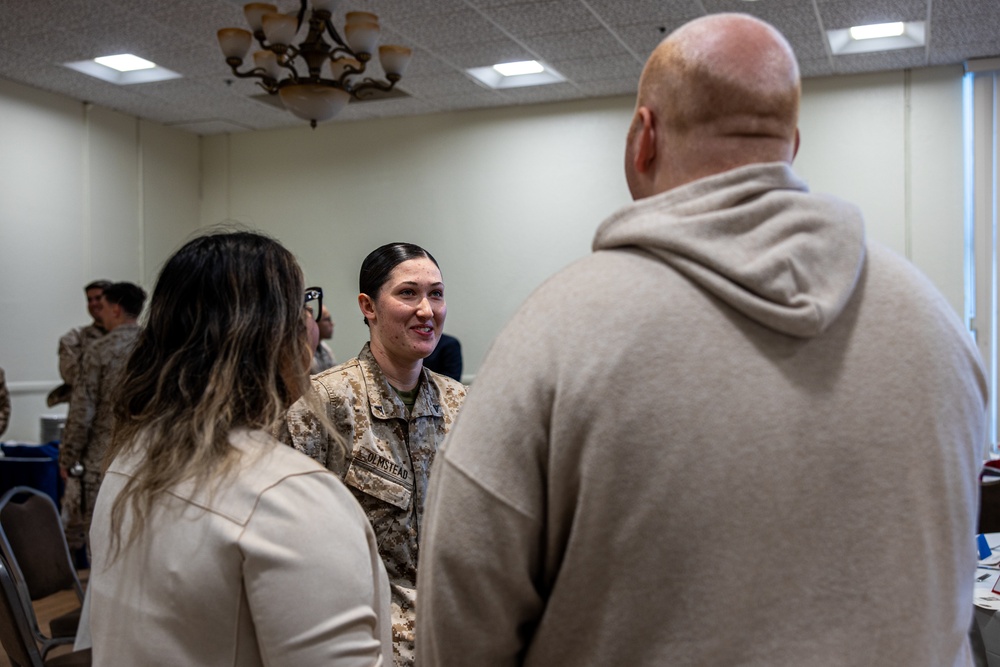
(735, 434)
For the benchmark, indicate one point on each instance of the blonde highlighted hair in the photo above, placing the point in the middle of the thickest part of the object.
(224, 347)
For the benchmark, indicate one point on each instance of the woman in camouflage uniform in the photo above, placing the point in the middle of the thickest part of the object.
(392, 412)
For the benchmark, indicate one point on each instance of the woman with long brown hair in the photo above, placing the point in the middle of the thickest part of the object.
(209, 537)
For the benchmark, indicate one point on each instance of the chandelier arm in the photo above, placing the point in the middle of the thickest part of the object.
(360, 90)
(349, 72)
(261, 39)
(258, 72)
(302, 14)
(270, 89)
(288, 62)
(336, 37)
(344, 52)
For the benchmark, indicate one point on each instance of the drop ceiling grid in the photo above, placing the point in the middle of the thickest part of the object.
(599, 45)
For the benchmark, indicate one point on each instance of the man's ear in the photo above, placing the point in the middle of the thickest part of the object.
(795, 150)
(644, 149)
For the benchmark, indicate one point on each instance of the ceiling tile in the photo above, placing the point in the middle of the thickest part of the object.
(959, 8)
(654, 12)
(808, 46)
(565, 46)
(446, 83)
(539, 94)
(579, 70)
(438, 32)
(609, 88)
(880, 62)
(542, 18)
(599, 45)
(815, 67)
(484, 54)
(641, 39)
(967, 29)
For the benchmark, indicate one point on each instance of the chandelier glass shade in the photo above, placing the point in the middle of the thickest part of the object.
(316, 76)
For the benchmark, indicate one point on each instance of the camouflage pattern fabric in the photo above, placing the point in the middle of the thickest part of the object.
(322, 359)
(388, 466)
(72, 514)
(90, 420)
(71, 348)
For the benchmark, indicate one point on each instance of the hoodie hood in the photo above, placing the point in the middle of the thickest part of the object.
(757, 239)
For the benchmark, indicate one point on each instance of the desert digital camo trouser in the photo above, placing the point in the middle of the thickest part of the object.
(78, 502)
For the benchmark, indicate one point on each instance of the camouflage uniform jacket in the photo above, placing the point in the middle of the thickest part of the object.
(322, 359)
(71, 348)
(88, 425)
(4, 403)
(389, 464)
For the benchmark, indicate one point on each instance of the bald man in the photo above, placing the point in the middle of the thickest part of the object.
(738, 433)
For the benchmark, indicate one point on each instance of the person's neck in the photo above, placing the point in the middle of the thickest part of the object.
(402, 375)
(111, 326)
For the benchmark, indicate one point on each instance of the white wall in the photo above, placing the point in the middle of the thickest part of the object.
(503, 198)
(892, 143)
(85, 193)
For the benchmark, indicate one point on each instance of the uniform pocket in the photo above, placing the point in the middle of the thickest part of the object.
(380, 485)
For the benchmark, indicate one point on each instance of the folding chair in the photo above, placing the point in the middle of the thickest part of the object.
(34, 547)
(16, 634)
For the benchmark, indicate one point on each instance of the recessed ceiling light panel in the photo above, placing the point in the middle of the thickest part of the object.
(875, 38)
(123, 70)
(519, 68)
(124, 62)
(876, 30)
(515, 75)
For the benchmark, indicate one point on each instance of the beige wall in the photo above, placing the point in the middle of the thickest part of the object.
(503, 198)
(892, 143)
(85, 193)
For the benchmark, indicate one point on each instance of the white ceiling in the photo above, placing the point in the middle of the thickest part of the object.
(598, 45)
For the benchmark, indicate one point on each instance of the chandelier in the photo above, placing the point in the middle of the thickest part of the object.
(314, 78)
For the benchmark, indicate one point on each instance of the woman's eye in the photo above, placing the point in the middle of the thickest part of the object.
(438, 293)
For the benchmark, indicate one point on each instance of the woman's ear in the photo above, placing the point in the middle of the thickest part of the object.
(367, 305)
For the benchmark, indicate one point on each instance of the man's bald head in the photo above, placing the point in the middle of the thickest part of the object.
(721, 91)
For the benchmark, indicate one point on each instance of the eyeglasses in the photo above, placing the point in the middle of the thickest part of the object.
(314, 301)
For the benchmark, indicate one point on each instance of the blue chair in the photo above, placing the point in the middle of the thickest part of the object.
(36, 466)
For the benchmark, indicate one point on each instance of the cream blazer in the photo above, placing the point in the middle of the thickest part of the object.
(278, 566)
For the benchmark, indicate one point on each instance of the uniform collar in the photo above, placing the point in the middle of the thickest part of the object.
(383, 400)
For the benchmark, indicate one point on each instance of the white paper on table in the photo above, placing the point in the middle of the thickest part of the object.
(984, 598)
(983, 595)
(993, 559)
